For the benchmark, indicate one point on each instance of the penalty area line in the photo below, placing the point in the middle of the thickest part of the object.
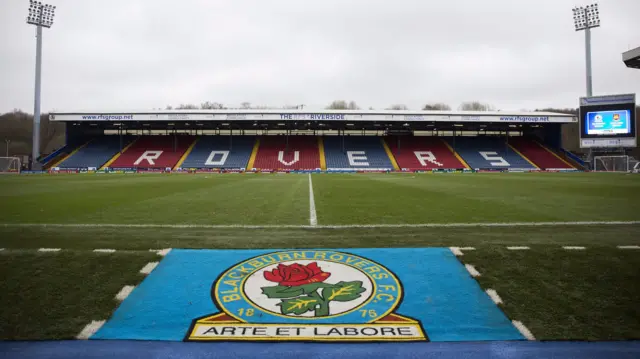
(302, 226)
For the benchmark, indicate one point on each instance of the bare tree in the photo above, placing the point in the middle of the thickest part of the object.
(186, 106)
(353, 106)
(438, 106)
(398, 107)
(338, 105)
(169, 107)
(212, 106)
(245, 105)
(475, 106)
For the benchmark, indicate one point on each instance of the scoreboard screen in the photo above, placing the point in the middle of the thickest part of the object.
(608, 121)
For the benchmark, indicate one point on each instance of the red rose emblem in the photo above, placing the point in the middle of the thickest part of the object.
(296, 274)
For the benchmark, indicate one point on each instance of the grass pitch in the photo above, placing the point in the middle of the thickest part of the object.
(558, 294)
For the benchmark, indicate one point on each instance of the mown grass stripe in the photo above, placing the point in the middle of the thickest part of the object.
(339, 226)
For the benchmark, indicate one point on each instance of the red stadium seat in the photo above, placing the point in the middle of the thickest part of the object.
(294, 153)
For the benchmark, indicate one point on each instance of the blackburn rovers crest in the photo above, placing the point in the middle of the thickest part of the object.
(307, 295)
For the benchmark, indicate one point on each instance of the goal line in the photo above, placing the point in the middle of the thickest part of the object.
(337, 226)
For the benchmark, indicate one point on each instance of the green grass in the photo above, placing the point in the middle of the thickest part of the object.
(557, 294)
(340, 199)
(562, 294)
(54, 295)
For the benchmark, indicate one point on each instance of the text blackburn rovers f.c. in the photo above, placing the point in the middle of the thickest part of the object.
(323, 296)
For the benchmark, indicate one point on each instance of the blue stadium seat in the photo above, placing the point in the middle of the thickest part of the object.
(488, 153)
(231, 152)
(360, 152)
(96, 153)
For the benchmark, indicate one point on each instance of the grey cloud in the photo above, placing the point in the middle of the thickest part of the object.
(134, 54)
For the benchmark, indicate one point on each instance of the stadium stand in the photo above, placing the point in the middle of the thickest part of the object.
(294, 152)
(154, 152)
(230, 152)
(538, 154)
(96, 153)
(356, 152)
(488, 153)
(422, 153)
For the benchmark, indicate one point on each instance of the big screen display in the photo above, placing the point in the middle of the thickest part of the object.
(608, 122)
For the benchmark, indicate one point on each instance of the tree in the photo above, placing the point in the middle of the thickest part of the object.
(343, 105)
(169, 107)
(186, 106)
(338, 105)
(212, 106)
(398, 107)
(475, 106)
(17, 127)
(245, 105)
(438, 106)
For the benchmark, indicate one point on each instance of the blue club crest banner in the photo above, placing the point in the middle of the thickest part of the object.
(341, 295)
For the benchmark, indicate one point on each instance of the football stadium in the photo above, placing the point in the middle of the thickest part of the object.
(248, 232)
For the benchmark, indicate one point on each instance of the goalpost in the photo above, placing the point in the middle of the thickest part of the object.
(618, 163)
(9, 165)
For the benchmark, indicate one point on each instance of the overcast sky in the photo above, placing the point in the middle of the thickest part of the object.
(134, 54)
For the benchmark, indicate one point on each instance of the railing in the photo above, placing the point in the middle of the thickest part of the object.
(53, 155)
(574, 157)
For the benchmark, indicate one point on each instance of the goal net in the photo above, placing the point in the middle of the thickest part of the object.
(611, 164)
(9, 165)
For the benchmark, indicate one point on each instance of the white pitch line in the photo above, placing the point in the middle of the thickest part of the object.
(148, 267)
(494, 296)
(124, 292)
(574, 247)
(628, 247)
(523, 330)
(467, 248)
(336, 226)
(472, 270)
(49, 250)
(104, 250)
(456, 251)
(518, 248)
(313, 218)
(1, 249)
(161, 252)
(90, 329)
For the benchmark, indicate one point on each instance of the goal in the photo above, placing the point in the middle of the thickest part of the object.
(9, 165)
(618, 163)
